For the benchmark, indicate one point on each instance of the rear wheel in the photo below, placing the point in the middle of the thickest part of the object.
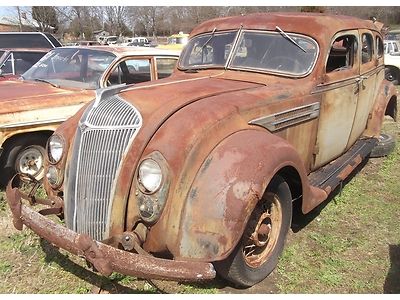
(262, 242)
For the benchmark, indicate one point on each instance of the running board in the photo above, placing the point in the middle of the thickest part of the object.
(333, 174)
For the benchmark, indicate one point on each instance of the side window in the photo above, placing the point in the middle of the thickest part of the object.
(342, 53)
(165, 66)
(7, 68)
(379, 46)
(23, 61)
(395, 48)
(131, 71)
(390, 48)
(367, 48)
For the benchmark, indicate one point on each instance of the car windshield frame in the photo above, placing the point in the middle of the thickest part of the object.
(208, 38)
(236, 45)
(57, 65)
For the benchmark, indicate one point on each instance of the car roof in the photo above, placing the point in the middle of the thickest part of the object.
(123, 51)
(319, 26)
(26, 49)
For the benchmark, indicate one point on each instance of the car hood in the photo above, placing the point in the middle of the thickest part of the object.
(159, 100)
(17, 96)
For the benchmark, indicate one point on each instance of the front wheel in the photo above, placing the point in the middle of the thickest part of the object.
(256, 255)
(25, 155)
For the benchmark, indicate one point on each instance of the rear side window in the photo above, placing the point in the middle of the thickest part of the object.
(24, 41)
(342, 53)
(367, 48)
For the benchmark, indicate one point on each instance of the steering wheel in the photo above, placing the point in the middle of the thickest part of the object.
(284, 63)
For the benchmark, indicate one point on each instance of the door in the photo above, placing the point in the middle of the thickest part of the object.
(369, 68)
(339, 98)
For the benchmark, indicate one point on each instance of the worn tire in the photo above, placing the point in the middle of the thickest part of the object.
(384, 147)
(13, 156)
(246, 271)
(392, 74)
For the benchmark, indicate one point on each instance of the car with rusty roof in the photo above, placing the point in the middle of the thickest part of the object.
(199, 174)
(56, 87)
(16, 61)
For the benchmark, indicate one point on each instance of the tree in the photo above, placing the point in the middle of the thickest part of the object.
(46, 17)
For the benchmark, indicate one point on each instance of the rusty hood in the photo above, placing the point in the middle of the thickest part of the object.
(159, 100)
(18, 96)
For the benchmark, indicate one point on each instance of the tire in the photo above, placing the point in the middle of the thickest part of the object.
(392, 74)
(25, 155)
(384, 147)
(257, 253)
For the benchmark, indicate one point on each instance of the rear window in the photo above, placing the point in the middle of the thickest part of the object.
(24, 41)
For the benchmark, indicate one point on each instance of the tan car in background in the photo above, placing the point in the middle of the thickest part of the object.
(56, 87)
(199, 173)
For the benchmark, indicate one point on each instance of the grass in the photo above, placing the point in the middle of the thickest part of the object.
(352, 245)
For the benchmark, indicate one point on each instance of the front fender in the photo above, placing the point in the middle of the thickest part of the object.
(226, 189)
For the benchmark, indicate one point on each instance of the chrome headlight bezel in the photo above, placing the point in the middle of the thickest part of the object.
(151, 204)
(55, 181)
(55, 148)
(149, 176)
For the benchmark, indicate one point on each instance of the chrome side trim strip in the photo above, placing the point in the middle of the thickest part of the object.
(288, 118)
(22, 124)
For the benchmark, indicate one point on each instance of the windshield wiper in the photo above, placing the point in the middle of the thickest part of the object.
(46, 81)
(209, 39)
(289, 38)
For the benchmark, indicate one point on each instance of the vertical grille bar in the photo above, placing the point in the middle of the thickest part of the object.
(101, 142)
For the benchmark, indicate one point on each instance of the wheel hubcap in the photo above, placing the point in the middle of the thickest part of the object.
(264, 231)
(30, 161)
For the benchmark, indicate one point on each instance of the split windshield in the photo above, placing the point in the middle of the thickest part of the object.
(263, 51)
(71, 67)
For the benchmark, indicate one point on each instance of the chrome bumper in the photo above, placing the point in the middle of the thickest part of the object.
(106, 259)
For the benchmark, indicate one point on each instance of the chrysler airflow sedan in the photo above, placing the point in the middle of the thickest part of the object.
(197, 174)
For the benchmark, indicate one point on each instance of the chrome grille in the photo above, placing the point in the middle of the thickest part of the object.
(101, 141)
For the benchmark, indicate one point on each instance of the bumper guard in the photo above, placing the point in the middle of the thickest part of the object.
(106, 259)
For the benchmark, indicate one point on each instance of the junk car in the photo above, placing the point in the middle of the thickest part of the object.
(198, 174)
(56, 87)
(14, 62)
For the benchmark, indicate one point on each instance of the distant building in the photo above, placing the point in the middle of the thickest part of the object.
(100, 34)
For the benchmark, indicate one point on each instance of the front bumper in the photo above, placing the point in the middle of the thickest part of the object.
(106, 259)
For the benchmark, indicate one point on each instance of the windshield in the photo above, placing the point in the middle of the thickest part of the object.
(71, 67)
(261, 51)
(207, 50)
(274, 52)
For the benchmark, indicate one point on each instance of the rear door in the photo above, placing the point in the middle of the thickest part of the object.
(371, 67)
(339, 98)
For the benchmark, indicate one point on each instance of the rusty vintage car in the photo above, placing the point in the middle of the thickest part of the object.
(16, 61)
(198, 174)
(56, 88)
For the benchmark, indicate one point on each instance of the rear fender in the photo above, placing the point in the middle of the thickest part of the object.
(226, 189)
(385, 104)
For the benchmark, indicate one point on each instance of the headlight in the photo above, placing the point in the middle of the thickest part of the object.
(149, 176)
(55, 148)
(54, 177)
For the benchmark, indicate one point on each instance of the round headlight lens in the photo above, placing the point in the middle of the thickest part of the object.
(53, 176)
(150, 176)
(55, 148)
